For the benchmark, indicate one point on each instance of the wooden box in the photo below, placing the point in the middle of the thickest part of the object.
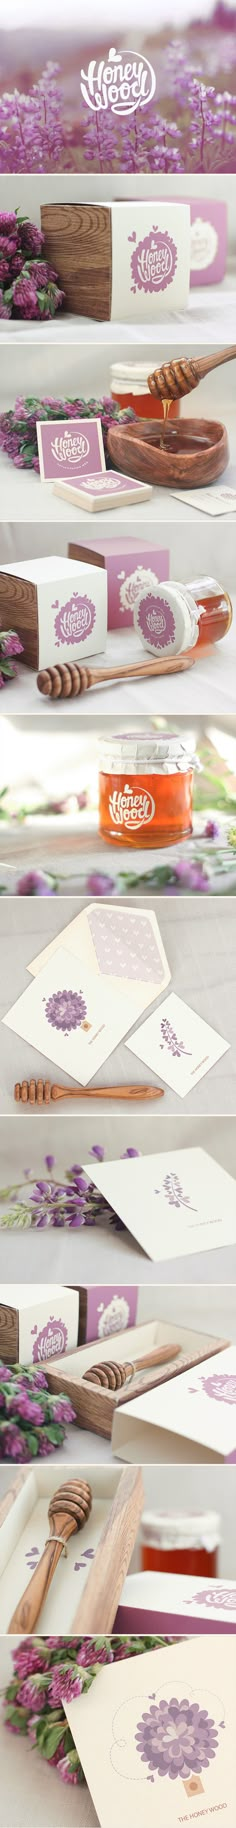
(130, 564)
(42, 1321)
(123, 260)
(86, 1587)
(95, 1407)
(58, 609)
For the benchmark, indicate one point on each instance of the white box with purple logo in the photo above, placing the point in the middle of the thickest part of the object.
(41, 1319)
(150, 259)
(67, 608)
(176, 1604)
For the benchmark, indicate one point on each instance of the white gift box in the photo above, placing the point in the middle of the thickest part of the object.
(176, 1604)
(192, 1419)
(57, 606)
(37, 1322)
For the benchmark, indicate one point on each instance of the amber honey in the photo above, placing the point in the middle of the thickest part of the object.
(178, 1544)
(129, 386)
(215, 607)
(145, 791)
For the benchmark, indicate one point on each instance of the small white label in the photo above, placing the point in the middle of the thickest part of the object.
(203, 244)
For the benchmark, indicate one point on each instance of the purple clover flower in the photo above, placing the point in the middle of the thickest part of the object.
(176, 1738)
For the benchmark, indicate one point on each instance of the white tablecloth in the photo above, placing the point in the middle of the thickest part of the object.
(208, 686)
(207, 306)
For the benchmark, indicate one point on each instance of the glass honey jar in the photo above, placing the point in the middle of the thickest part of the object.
(181, 1543)
(172, 618)
(145, 789)
(129, 386)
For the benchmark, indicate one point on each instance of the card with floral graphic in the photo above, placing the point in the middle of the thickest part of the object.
(122, 944)
(177, 1045)
(72, 1018)
(175, 1202)
(164, 1728)
(69, 447)
(150, 259)
(189, 1417)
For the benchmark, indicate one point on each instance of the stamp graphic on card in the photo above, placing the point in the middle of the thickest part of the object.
(71, 1017)
(69, 448)
(178, 1044)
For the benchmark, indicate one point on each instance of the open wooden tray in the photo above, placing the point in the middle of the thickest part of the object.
(94, 1407)
(195, 451)
(86, 1587)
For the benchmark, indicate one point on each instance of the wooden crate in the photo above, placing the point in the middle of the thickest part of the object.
(78, 244)
(24, 1510)
(94, 1407)
(31, 592)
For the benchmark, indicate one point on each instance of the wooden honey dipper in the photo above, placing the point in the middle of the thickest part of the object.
(180, 376)
(71, 681)
(111, 1376)
(40, 1091)
(68, 1510)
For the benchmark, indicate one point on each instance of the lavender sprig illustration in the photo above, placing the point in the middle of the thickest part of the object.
(176, 1047)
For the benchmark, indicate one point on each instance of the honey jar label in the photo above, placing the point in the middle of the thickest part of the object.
(133, 810)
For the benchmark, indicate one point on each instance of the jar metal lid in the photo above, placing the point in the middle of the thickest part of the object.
(164, 753)
(169, 1530)
(166, 619)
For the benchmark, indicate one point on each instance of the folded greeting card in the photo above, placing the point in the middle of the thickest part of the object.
(72, 1018)
(191, 1418)
(176, 1604)
(121, 944)
(69, 447)
(163, 1726)
(178, 1045)
(210, 501)
(175, 1202)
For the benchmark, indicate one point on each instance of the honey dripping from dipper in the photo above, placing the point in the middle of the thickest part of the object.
(166, 405)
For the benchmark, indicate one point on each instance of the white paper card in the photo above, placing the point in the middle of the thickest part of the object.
(174, 1203)
(177, 1597)
(163, 1725)
(150, 259)
(199, 1406)
(210, 501)
(72, 1018)
(122, 944)
(178, 1045)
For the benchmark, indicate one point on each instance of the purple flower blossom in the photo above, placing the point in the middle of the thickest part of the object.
(34, 883)
(97, 884)
(176, 1738)
(10, 644)
(211, 829)
(65, 1684)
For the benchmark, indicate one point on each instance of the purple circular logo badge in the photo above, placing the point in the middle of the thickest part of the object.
(221, 1387)
(74, 621)
(156, 621)
(51, 1342)
(223, 1597)
(153, 261)
(66, 1009)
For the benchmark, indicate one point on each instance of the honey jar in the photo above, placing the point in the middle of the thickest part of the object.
(181, 1544)
(145, 789)
(172, 618)
(214, 609)
(129, 386)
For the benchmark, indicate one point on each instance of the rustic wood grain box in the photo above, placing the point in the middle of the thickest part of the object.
(85, 1590)
(120, 260)
(130, 565)
(103, 1311)
(40, 1322)
(95, 1407)
(56, 606)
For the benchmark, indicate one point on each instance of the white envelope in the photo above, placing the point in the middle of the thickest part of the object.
(174, 1203)
(71, 1016)
(178, 1045)
(122, 944)
(156, 1736)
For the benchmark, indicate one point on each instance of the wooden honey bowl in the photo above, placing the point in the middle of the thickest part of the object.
(192, 452)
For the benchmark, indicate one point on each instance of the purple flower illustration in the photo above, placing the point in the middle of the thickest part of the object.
(153, 262)
(66, 1009)
(176, 1047)
(75, 620)
(176, 1738)
(174, 1192)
